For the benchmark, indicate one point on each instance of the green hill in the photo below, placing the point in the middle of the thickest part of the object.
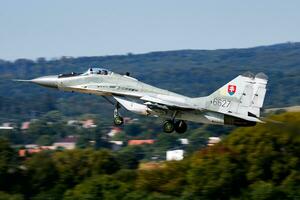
(190, 72)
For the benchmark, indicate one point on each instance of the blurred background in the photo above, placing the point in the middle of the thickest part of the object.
(59, 145)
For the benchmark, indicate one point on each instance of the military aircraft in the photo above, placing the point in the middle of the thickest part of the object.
(236, 103)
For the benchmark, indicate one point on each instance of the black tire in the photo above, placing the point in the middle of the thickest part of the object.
(118, 120)
(168, 126)
(180, 126)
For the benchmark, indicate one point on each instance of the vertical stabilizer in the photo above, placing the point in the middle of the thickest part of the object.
(243, 95)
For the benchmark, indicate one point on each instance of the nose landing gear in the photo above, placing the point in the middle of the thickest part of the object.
(118, 120)
(169, 126)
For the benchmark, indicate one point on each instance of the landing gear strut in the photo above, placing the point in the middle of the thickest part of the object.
(118, 120)
(169, 126)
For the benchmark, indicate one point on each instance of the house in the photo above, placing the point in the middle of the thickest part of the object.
(114, 131)
(73, 122)
(140, 142)
(89, 123)
(47, 147)
(7, 126)
(34, 148)
(24, 152)
(175, 155)
(184, 141)
(213, 140)
(128, 120)
(66, 143)
(25, 126)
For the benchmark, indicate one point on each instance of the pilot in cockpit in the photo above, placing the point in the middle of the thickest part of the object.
(97, 71)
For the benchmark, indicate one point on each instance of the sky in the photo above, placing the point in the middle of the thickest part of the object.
(51, 29)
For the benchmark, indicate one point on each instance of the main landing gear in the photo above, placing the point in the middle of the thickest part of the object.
(169, 126)
(118, 120)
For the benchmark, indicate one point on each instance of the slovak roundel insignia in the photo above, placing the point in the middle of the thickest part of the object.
(231, 89)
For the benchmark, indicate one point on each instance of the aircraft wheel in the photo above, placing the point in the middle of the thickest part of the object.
(180, 126)
(168, 126)
(118, 120)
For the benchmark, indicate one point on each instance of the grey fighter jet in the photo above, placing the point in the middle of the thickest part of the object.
(236, 103)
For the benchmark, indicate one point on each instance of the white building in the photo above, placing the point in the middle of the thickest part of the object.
(66, 143)
(117, 142)
(175, 154)
(213, 140)
(7, 126)
(31, 146)
(184, 141)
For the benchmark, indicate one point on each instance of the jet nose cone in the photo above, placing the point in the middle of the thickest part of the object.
(47, 81)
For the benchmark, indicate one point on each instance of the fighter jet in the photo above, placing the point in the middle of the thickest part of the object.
(238, 102)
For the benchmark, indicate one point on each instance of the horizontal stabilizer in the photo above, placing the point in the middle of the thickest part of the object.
(248, 118)
(271, 120)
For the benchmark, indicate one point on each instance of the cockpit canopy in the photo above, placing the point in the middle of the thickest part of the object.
(100, 71)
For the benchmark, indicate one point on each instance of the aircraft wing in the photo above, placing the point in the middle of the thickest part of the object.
(158, 101)
(167, 102)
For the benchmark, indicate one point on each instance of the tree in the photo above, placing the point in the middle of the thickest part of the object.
(291, 185)
(75, 165)
(168, 178)
(163, 143)
(215, 173)
(269, 152)
(133, 129)
(8, 165)
(53, 116)
(41, 173)
(83, 142)
(98, 187)
(261, 190)
(45, 140)
(6, 196)
(197, 140)
(129, 156)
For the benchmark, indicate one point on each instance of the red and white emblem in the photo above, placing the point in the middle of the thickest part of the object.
(231, 89)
